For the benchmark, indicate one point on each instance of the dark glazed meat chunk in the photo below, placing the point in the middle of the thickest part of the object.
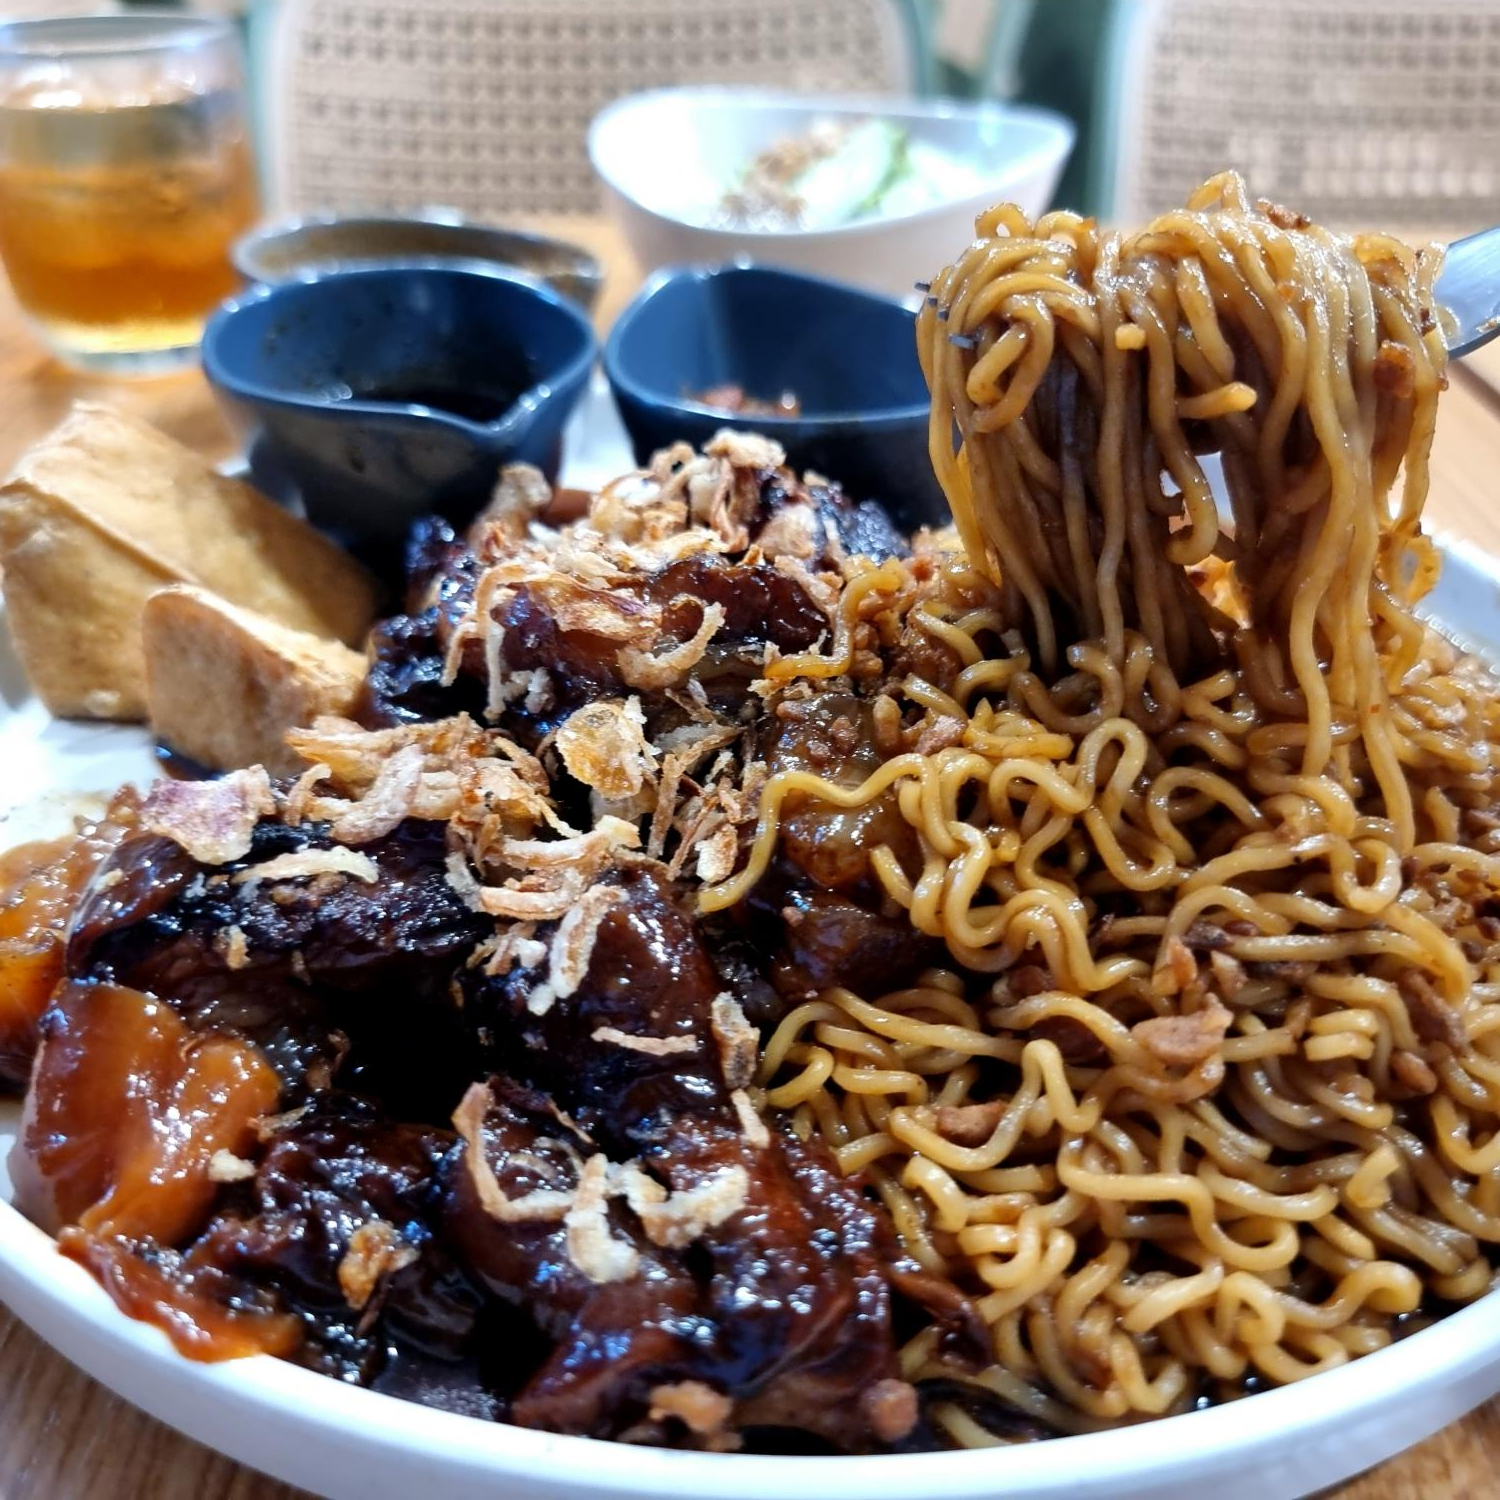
(337, 1223)
(404, 683)
(612, 1340)
(651, 977)
(813, 526)
(818, 909)
(791, 1309)
(781, 1305)
(308, 968)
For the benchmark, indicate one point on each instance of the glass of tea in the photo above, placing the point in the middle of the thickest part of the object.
(126, 173)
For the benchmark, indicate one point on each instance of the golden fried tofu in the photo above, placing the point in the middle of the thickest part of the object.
(224, 684)
(107, 510)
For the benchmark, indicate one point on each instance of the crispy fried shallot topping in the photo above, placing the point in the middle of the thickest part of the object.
(212, 820)
(304, 864)
(545, 1205)
(604, 746)
(653, 1046)
(573, 947)
(699, 1407)
(376, 1251)
(673, 1220)
(591, 1247)
(739, 1041)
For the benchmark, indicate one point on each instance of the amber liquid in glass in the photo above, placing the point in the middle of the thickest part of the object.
(116, 219)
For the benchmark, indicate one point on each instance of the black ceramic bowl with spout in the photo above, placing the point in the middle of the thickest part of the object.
(374, 396)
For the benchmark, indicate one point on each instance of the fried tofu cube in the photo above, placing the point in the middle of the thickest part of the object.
(224, 684)
(107, 510)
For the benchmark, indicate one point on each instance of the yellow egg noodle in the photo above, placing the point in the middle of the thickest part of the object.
(1207, 1094)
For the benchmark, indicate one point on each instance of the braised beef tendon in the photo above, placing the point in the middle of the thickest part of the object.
(40, 884)
(132, 1122)
(684, 574)
(326, 968)
(424, 1069)
(648, 1059)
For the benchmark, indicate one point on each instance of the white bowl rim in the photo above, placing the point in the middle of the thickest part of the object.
(1454, 1346)
(897, 106)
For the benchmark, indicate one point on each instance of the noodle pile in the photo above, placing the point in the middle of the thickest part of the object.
(1208, 1092)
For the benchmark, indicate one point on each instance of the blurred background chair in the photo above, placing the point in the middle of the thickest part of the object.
(484, 105)
(1359, 111)
(1355, 111)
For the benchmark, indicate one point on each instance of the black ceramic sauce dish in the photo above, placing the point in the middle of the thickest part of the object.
(374, 396)
(849, 357)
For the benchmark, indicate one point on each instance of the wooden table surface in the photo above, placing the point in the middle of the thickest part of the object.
(62, 1437)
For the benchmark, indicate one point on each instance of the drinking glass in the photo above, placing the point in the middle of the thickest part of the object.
(126, 173)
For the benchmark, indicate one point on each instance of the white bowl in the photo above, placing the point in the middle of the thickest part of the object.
(352, 1444)
(665, 158)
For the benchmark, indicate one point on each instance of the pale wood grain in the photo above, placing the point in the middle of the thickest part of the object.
(62, 1437)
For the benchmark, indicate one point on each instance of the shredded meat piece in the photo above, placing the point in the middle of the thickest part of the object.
(1290, 971)
(1184, 1041)
(891, 1409)
(943, 731)
(1176, 969)
(1395, 370)
(1433, 1018)
(969, 1124)
(1228, 972)
(885, 716)
(1026, 980)
(1282, 217)
(1298, 1015)
(1413, 1073)
(1078, 1045)
(1205, 937)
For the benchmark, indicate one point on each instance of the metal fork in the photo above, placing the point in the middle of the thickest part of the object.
(1469, 287)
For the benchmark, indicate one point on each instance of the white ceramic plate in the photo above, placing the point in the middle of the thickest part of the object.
(352, 1444)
